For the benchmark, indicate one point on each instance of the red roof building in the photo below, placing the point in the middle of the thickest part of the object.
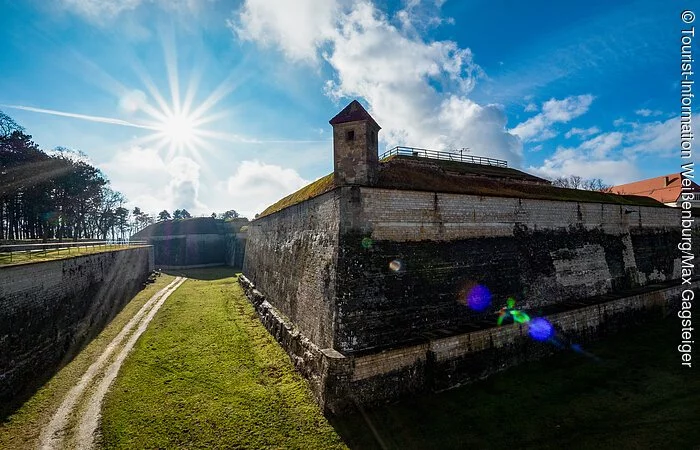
(666, 189)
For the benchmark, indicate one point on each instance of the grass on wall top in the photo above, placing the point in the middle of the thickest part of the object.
(318, 187)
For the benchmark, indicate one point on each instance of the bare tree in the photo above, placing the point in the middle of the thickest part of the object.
(576, 182)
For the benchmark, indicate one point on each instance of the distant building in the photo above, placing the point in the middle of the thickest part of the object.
(665, 189)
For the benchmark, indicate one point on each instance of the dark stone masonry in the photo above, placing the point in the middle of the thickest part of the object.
(51, 309)
(364, 283)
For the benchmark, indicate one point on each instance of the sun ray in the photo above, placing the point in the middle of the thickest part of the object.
(146, 79)
(221, 91)
(192, 86)
(171, 67)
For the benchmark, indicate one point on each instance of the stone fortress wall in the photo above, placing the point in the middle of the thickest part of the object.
(49, 310)
(365, 285)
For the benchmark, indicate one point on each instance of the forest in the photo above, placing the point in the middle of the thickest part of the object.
(57, 194)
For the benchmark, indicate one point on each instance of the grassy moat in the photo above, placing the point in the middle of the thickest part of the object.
(206, 374)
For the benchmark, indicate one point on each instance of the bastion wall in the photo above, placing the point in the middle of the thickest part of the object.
(50, 310)
(293, 255)
(321, 277)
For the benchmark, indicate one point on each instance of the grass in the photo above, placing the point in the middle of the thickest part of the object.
(7, 259)
(638, 397)
(318, 187)
(446, 176)
(206, 374)
(21, 429)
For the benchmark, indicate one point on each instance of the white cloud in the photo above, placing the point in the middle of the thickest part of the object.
(648, 112)
(611, 156)
(102, 11)
(136, 170)
(132, 101)
(539, 127)
(594, 158)
(583, 132)
(298, 28)
(601, 145)
(659, 138)
(417, 90)
(531, 107)
(567, 161)
(99, 10)
(256, 185)
(184, 184)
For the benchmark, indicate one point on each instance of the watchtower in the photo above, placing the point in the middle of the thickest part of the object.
(355, 146)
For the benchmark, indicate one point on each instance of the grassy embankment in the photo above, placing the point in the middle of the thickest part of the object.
(21, 430)
(206, 374)
(7, 259)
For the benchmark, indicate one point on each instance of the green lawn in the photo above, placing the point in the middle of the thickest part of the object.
(7, 259)
(206, 374)
(638, 397)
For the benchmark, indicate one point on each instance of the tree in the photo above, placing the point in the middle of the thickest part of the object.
(230, 214)
(576, 182)
(213, 215)
(163, 215)
(56, 194)
(8, 126)
(121, 216)
(181, 214)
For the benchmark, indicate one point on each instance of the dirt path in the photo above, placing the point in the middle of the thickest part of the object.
(75, 423)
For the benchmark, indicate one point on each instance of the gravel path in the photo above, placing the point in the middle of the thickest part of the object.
(84, 400)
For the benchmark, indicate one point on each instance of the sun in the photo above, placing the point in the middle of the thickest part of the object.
(178, 130)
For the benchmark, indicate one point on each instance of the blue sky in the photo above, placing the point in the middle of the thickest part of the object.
(555, 88)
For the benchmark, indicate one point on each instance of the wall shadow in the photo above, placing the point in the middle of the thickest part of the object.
(629, 391)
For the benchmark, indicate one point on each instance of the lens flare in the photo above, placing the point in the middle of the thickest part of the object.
(396, 265)
(479, 298)
(367, 243)
(540, 329)
(509, 310)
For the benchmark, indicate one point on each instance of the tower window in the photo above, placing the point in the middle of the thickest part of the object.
(350, 135)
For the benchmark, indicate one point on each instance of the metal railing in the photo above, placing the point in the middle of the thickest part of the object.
(435, 154)
(7, 252)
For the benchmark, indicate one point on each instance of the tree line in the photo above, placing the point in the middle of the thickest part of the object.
(56, 194)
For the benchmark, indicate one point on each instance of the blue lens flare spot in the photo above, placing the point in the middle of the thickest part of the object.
(479, 298)
(540, 329)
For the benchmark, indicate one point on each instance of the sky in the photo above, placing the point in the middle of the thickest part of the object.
(211, 105)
